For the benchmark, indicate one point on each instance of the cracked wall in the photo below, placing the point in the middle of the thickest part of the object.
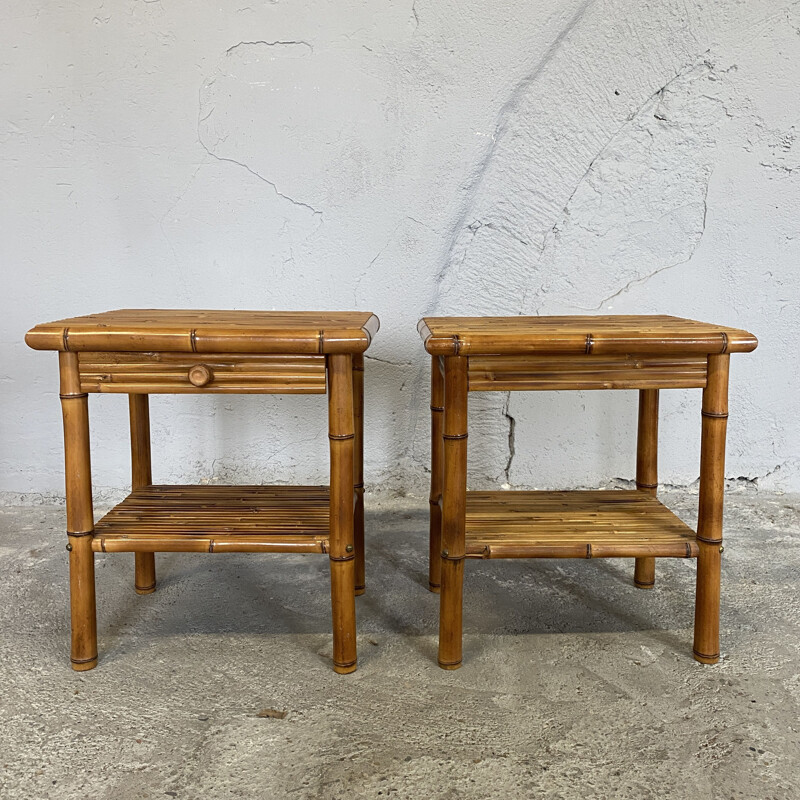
(557, 156)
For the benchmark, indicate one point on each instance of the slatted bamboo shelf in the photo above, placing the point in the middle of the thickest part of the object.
(218, 519)
(574, 524)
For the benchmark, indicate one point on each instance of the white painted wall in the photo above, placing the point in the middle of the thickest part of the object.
(534, 156)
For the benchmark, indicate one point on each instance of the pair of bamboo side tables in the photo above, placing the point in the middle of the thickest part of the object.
(143, 352)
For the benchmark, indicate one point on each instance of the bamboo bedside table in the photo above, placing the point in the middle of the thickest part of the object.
(648, 353)
(144, 352)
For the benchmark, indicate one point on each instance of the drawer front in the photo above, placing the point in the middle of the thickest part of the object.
(187, 373)
(526, 373)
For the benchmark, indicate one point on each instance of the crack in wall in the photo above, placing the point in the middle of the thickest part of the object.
(659, 93)
(503, 117)
(278, 192)
(365, 271)
(645, 278)
(701, 62)
(277, 43)
(512, 426)
(743, 479)
(387, 361)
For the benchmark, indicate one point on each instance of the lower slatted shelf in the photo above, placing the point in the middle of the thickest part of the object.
(575, 524)
(261, 519)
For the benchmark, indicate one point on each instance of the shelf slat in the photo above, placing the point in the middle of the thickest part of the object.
(575, 524)
(293, 519)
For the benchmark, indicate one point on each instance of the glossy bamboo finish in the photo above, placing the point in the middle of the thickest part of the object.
(647, 353)
(578, 335)
(574, 524)
(342, 556)
(217, 519)
(140, 352)
(80, 516)
(568, 372)
(644, 575)
(159, 330)
(709, 519)
(215, 373)
(358, 472)
(141, 476)
(454, 496)
(437, 463)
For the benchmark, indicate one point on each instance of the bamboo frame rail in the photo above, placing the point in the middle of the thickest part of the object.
(143, 352)
(648, 353)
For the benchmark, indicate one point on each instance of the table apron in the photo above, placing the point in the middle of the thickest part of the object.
(569, 372)
(187, 373)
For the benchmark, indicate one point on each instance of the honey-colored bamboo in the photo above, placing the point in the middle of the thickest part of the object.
(709, 518)
(435, 499)
(342, 556)
(644, 574)
(569, 372)
(80, 515)
(215, 519)
(454, 496)
(141, 476)
(140, 352)
(647, 353)
(216, 373)
(194, 331)
(574, 524)
(358, 471)
(595, 335)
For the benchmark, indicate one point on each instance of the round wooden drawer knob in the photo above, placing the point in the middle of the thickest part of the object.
(200, 375)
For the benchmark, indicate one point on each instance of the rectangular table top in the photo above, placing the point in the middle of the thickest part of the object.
(618, 334)
(145, 330)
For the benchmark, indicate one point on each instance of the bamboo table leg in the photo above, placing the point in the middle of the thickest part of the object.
(80, 514)
(342, 555)
(437, 410)
(141, 475)
(454, 501)
(358, 471)
(644, 575)
(709, 521)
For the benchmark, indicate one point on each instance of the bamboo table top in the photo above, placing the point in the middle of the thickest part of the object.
(188, 331)
(601, 335)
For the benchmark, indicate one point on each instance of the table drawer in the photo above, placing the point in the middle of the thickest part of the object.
(537, 372)
(186, 373)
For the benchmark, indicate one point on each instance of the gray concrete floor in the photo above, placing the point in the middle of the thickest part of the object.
(575, 684)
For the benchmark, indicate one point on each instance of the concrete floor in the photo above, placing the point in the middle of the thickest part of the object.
(575, 684)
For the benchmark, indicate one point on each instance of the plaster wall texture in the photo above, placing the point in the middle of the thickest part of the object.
(409, 158)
